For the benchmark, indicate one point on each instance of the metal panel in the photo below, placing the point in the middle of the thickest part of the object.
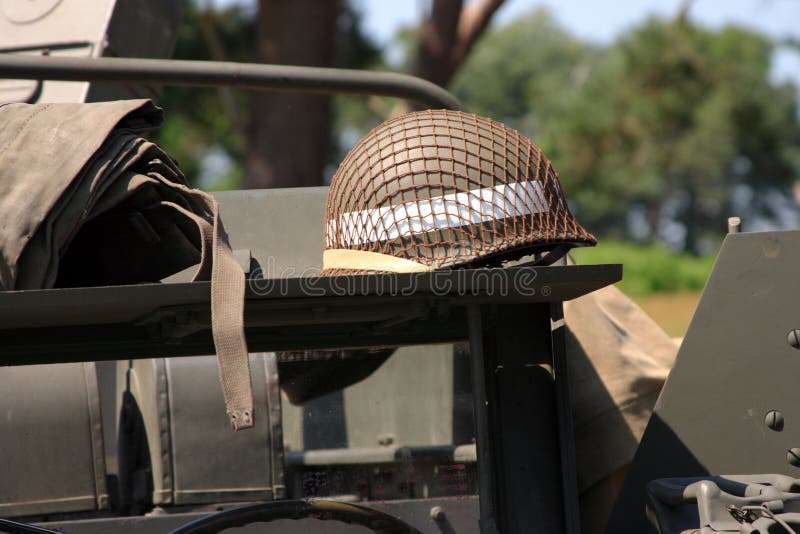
(735, 365)
(407, 401)
(81, 29)
(147, 456)
(195, 458)
(282, 228)
(517, 411)
(147, 320)
(51, 443)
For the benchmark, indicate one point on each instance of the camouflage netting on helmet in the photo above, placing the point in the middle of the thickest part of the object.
(448, 189)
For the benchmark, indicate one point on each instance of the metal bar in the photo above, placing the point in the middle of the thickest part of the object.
(46, 48)
(276, 451)
(566, 431)
(523, 421)
(217, 73)
(149, 320)
(486, 484)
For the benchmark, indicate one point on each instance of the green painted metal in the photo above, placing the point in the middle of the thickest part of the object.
(253, 76)
(736, 364)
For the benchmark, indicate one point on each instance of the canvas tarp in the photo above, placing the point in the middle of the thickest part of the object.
(86, 200)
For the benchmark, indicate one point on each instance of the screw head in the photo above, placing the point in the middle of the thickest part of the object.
(793, 337)
(793, 456)
(774, 420)
(437, 514)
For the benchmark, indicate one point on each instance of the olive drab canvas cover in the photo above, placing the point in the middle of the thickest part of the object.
(86, 200)
(618, 359)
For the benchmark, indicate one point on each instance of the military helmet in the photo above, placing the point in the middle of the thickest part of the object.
(443, 189)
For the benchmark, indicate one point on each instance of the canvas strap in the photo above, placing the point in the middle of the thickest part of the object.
(217, 262)
(227, 326)
(227, 318)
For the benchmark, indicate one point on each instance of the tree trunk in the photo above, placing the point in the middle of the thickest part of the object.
(436, 41)
(289, 133)
(691, 224)
(653, 215)
(446, 36)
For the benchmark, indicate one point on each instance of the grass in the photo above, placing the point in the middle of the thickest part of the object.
(672, 311)
(650, 269)
(665, 284)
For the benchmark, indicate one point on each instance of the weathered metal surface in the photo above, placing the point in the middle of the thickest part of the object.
(734, 368)
(253, 76)
(409, 400)
(51, 445)
(177, 399)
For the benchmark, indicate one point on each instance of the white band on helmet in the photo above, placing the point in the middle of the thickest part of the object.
(447, 211)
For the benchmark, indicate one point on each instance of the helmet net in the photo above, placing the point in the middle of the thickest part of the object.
(448, 189)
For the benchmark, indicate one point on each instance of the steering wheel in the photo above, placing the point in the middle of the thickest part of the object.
(305, 509)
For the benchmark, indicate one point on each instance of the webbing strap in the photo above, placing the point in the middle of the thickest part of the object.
(227, 324)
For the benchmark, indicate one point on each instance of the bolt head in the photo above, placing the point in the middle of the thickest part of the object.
(793, 456)
(774, 420)
(794, 338)
(437, 514)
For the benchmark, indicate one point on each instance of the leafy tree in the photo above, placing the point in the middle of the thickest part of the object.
(285, 139)
(669, 119)
(675, 114)
(201, 119)
(667, 122)
(294, 142)
(519, 73)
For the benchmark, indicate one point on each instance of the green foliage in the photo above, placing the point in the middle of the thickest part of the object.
(354, 50)
(196, 119)
(201, 119)
(515, 72)
(669, 118)
(649, 268)
(675, 113)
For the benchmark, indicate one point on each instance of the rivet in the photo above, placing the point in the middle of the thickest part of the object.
(793, 456)
(794, 338)
(774, 420)
(437, 514)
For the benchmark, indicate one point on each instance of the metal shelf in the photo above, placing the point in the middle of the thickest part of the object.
(147, 320)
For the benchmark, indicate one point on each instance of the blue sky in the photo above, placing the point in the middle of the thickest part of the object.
(601, 22)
